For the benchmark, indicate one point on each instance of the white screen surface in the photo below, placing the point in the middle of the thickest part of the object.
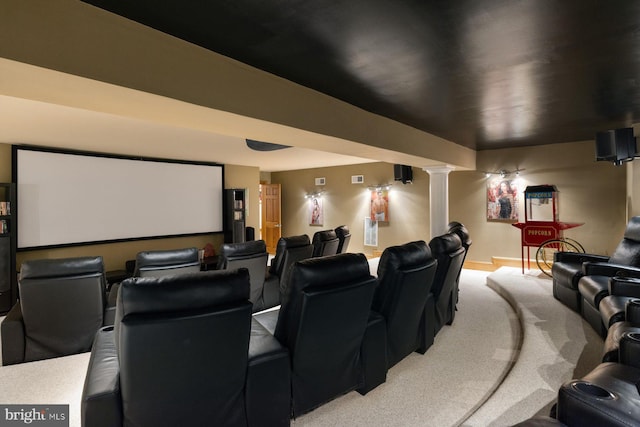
(72, 198)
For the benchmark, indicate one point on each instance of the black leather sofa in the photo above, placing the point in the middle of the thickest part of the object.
(62, 304)
(184, 350)
(605, 293)
(569, 268)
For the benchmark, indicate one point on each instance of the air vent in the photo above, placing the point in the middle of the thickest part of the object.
(320, 181)
(357, 179)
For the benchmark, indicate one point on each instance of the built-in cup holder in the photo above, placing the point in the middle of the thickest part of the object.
(634, 336)
(592, 390)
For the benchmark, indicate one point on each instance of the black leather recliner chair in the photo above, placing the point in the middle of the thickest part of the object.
(569, 267)
(184, 351)
(62, 305)
(448, 251)
(289, 250)
(405, 277)
(253, 256)
(324, 317)
(344, 237)
(325, 243)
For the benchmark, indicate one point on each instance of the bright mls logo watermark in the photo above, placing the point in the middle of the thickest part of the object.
(34, 415)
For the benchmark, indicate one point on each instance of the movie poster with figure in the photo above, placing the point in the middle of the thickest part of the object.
(502, 200)
(316, 216)
(379, 205)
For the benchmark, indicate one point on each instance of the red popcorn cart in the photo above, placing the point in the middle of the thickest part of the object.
(542, 228)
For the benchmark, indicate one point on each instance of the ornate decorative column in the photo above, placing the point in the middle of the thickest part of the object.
(438, 198)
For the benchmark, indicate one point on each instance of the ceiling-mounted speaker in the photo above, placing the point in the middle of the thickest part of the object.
(402, 173)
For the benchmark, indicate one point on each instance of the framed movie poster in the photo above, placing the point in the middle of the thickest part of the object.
(370, 232)
(316, 215)
(379, 205)
(502, 199)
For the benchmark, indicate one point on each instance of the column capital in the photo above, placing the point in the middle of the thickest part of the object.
(438, 169)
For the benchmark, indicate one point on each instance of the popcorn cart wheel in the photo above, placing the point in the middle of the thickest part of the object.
(547, 250)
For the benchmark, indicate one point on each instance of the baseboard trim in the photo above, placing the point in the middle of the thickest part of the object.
(496, 263)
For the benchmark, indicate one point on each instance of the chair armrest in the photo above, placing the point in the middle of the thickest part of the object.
(624, 287)
(578, 257)
(268, 386)
(632, 311)
(373, 353)
(101, 401)
(611, 270)
(629, 350)
(13, 339)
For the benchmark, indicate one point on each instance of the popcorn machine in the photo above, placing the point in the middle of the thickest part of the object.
(543, 229)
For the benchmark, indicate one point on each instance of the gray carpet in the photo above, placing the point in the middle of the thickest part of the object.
(557, 345)
(491, 367)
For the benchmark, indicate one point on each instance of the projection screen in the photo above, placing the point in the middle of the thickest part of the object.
(72, 198)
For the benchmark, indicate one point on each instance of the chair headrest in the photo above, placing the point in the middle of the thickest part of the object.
(294, 241)
(445, 244)
(461, 231)
(342, 231)
(243, 249)
(167, 257)
(404, 257)
(324, 235)
(193, 291)
(329, 270)
(44, 268)
(632, 232)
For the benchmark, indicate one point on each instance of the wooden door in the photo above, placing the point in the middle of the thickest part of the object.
(271, 218)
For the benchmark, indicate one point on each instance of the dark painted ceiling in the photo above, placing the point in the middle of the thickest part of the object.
(482, 73)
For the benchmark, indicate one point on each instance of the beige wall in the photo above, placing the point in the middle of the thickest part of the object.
(590, 192)
(116, 254)
(346, 203)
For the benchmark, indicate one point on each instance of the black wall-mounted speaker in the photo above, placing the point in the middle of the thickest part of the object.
(402, 173)
(617, 146)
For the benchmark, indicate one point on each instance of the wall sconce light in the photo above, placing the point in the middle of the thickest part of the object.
(380, 187)
(503, 173)
(315, 195)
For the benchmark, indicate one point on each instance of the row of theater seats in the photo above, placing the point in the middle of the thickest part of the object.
(177, 352)
(76, 288)
(63, 302)
(606, 292)
(267, 282)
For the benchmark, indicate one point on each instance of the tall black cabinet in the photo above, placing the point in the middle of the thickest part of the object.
(8, 278)
(235, 212)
